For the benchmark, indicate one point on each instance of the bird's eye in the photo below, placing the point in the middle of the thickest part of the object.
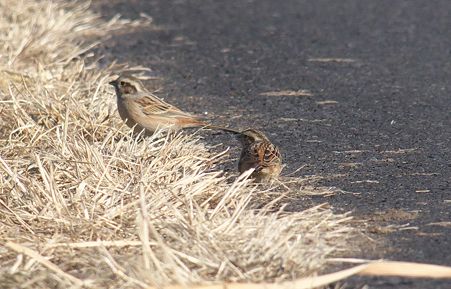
(128, 88)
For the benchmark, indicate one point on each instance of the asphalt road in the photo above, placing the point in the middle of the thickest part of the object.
(377, 123)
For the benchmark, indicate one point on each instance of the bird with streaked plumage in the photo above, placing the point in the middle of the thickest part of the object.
(144, 111)
(260, 154)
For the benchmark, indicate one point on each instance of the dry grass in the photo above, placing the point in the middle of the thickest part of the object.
(84, 204)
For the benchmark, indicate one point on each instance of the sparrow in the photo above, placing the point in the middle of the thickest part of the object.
(259, 153)
(144, 111)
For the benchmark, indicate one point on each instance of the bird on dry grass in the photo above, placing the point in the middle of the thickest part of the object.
(259, 153)
(144, 111)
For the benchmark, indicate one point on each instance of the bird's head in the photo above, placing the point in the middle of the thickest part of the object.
(125, 85)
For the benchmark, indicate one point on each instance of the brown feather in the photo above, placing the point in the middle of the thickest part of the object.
(260, 154)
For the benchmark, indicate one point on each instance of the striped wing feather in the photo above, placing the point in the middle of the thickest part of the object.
(152, 105)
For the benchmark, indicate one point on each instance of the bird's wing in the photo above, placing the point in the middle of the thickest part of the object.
(152, 105)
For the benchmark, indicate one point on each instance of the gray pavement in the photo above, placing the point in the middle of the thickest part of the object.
(377, 124)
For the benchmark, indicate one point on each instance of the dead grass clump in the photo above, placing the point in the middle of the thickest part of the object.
(84, 203)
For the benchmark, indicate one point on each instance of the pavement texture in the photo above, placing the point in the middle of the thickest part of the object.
(357, 91)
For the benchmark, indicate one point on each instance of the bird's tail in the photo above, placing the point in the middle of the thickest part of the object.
(222, 128)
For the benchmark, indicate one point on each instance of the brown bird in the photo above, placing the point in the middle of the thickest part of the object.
(142, 110)
(259, 153)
